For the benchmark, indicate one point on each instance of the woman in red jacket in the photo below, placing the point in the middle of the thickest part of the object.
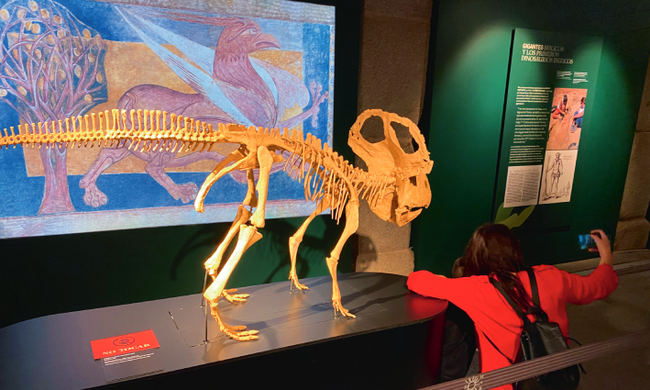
(494, 251)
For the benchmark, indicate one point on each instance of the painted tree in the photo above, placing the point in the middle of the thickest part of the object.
(51, 68)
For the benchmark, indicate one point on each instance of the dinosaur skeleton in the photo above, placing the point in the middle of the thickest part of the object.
(395, 184)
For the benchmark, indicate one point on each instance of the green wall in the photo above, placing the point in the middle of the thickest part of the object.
(466, 93)
(47, 275)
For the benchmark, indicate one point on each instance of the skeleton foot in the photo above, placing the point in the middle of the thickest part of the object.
(234, 298)
(185, 192)
(93, 196)
(332, 261)
(338, 308)
(296, 283)
(236, 332)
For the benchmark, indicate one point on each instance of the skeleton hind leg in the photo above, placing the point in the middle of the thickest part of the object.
(243, 214)
(248, 235)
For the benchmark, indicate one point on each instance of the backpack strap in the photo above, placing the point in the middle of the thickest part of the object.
(533, 287)
(510, 301)
(497, 348)
(515, 307)
(536, 310)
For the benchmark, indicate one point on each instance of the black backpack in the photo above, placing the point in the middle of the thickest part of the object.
(540, 338)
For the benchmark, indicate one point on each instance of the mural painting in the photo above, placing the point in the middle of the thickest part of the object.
(238, 62)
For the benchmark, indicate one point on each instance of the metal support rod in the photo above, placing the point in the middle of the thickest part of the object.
(205, 334)
(205, 307)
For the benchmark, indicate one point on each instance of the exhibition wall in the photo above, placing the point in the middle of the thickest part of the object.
(466, 117)
(463, 120)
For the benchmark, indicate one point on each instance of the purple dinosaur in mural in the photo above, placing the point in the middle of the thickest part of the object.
(240, 83)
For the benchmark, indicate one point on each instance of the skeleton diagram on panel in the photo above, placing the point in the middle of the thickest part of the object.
(557, 177)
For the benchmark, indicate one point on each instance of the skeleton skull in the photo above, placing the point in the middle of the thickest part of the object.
(405, 165)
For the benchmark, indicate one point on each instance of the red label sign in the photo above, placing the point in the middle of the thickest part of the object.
(126, 343)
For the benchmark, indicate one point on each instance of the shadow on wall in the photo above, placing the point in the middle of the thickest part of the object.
(258, 266)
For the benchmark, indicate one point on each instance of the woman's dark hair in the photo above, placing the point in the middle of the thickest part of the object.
(494, 250)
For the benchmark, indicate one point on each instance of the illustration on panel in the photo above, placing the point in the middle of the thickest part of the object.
(235, 63)
(557, 179)
(565, 124)
(565, 128)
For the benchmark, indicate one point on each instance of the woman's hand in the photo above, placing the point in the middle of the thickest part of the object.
(603, 246)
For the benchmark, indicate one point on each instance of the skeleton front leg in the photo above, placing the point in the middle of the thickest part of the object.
(296, 239)
(351, 225)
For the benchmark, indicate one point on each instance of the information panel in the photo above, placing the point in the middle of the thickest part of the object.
(552, 77)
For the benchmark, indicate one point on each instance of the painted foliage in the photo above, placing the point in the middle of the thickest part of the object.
(266, 64)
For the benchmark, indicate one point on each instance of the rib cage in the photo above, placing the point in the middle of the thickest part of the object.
(323, 172)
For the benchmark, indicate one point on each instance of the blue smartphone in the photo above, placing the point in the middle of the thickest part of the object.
(586, 242)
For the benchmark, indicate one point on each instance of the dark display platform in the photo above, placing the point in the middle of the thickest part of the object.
(393, 343)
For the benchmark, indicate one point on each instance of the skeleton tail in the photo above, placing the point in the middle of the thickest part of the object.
(141, 130)
(322, 171)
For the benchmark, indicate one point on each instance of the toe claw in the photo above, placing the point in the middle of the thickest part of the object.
(296, 283)
(338, 308)
(233, 298)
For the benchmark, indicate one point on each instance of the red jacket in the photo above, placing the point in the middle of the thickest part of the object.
(493, 316)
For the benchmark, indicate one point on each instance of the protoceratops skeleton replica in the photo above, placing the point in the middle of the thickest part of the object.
(395, 183)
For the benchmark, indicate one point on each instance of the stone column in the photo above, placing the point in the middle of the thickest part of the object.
(393, 66)
(633, 226)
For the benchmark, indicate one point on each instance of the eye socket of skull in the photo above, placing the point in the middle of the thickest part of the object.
(372, 130)
(406, 141)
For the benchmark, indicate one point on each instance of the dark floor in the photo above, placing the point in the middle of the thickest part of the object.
(626, 310)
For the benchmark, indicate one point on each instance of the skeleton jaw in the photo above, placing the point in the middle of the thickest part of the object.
(406, 214)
